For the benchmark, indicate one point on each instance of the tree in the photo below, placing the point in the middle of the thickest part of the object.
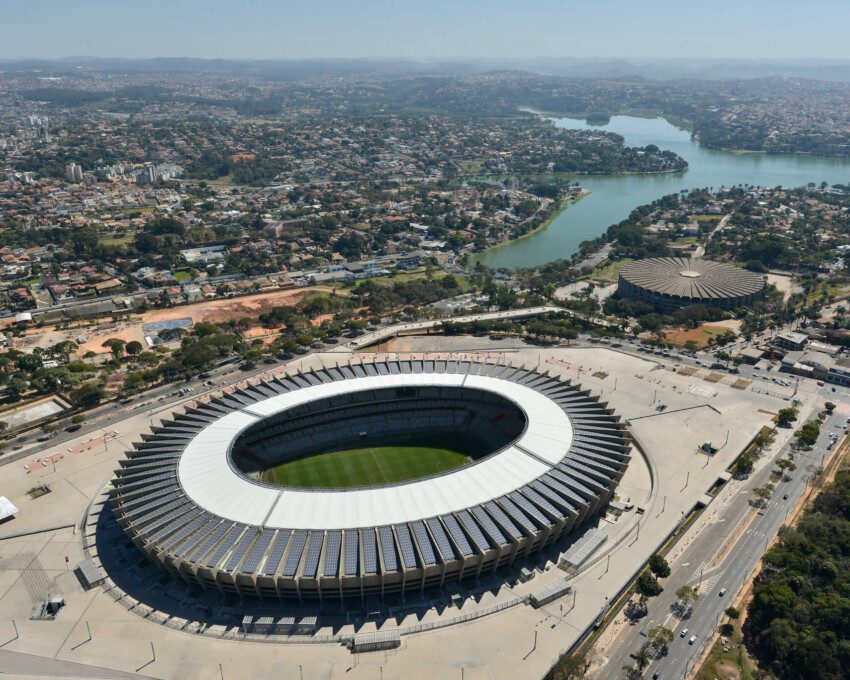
(632, 672)
(732, 613)
(786, 416)
(642, 657)
(744, 466)
(797, 618)
(762, 492)
(786, 465)
(687, 596)
(637, 609)
(658, 565)
(808, 434)
(29, 362)
(134, 347)
(87, 394)
(648, 585)
(204, 329)
(829, 406)
(573, 667)
(659, 637)
(146, 242)
(116, 345)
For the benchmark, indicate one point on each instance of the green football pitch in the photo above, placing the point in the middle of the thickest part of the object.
(369, 466)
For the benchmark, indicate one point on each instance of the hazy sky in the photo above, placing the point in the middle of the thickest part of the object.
(426, 28)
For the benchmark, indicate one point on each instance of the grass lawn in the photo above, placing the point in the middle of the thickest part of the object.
(729, 662)
(115, 239)
(463, 283)
(365, 467)
(471, 167)
(221, 181)
(182, 276)
(684, 241)
(609, 271)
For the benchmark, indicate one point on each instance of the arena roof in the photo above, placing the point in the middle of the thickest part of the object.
(692, 278)
(208, 478)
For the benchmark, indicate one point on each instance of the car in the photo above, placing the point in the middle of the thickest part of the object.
(656, 675)
(683, 632)
(73, 428)
(692, 639)
(722, 592)
(785, 497)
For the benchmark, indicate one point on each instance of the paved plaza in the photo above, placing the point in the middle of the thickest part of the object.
(669, 414)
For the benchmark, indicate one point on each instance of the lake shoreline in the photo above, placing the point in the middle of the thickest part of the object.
(615, 196)
(545, 224)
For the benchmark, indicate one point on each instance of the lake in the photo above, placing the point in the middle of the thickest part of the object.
(613, 197)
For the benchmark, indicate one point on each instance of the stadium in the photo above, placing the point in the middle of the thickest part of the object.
(369, 479)
(669, 283)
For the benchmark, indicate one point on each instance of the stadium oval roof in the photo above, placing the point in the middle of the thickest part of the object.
(695, 279)
(210, 481)
(181, 499)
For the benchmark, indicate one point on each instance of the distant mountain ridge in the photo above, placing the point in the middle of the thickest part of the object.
(300, 69)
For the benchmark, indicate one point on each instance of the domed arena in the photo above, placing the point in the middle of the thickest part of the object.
(669, 283)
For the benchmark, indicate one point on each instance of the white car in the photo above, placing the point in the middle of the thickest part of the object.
(692, 640)
(722, 592)
(683, 632)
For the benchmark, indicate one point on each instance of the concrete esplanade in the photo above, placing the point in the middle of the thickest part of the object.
(189, 494)
(669, 283)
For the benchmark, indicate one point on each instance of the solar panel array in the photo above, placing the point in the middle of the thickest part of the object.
(314, 551)
(332, 553)
(405, 542)
(370, 551)
(156, 513)
(276, 555)
(388, 553)
(352, 561)
(294, 555)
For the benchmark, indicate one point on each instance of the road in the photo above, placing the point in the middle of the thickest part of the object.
(701, 564)
(103, 416)
(391, 331)
(159, 398)
(700, 249)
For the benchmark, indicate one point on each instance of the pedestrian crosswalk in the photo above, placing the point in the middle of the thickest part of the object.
(703, 578)
(699, 571)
